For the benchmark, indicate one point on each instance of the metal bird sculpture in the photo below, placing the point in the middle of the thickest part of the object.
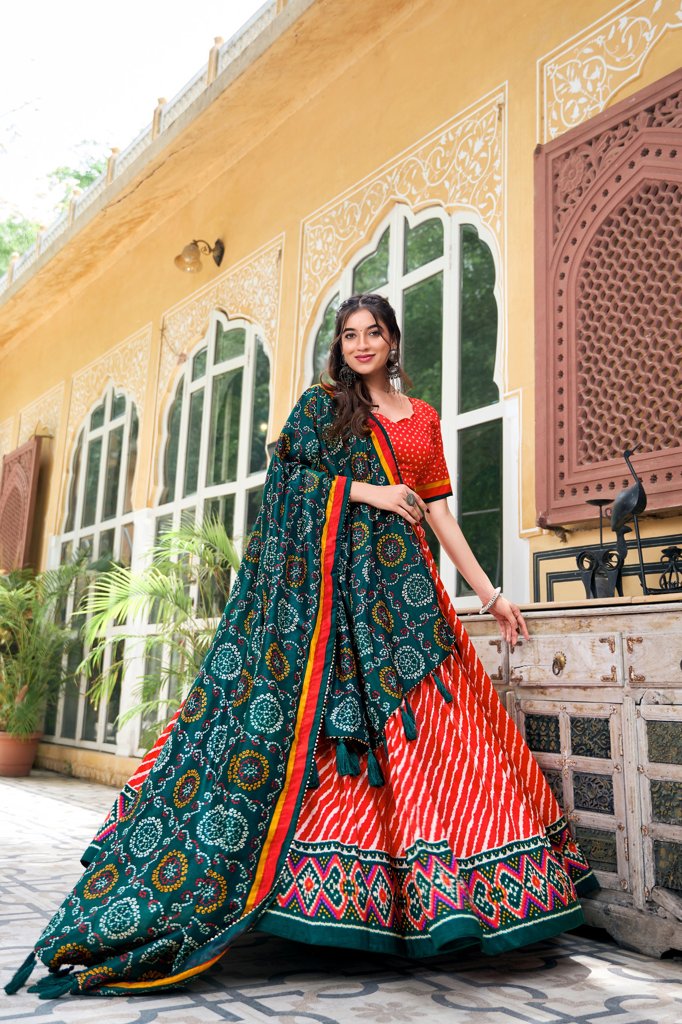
(629, 504)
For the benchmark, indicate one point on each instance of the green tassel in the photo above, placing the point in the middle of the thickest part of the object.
(22, 975)
(346, 761)
(313, 778)
(409, 723)
(53, 987)
(442, 688)
(373, 770)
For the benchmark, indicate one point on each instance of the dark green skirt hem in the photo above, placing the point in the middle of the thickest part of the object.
(454, 933)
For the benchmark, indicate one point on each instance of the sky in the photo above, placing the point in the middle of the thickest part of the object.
(77, 79)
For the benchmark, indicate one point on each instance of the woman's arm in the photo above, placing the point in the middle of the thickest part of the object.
(456, 547)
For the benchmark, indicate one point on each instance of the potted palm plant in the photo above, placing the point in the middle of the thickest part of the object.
(33, 641)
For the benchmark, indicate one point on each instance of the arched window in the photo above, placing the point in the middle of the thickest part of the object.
(99, 521)
(439, 274)
(214, 452)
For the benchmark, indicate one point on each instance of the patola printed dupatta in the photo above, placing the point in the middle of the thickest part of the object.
(333, 618)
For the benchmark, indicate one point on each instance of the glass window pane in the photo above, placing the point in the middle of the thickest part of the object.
(542, 733)
(226, 407)
(480, 497)
(229, 343)
(199, 364)
(127, 538)
(73, 485)
(106, 544)
(593, 793)
(668, 864)
(97, 416)
(372, 272)
(91, 482)
(324, 338)
(261, 410)
(170, 457)
(131, 462)
(112, 472)
(478, 323)
(70, 710)
(664, 740)
(591, 737)
(90, 719)
(254, 500)
(163, 525)
(114, 702)
(423, 243)
(71, 693)
(150, 691)
(193, 443)
(423, 338)
(223, 509)
(599, 847)
(118, 406)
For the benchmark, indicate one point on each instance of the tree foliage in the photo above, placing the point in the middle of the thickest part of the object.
(17, 234)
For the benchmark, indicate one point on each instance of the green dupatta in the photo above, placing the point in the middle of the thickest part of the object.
(332, 619)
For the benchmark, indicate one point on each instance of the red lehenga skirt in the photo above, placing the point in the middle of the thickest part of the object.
(464, 843)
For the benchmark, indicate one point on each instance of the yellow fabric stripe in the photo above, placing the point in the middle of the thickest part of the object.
(382, 458)
(435, 484)
(173, 980)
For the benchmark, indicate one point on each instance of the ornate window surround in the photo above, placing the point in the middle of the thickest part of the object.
(585, 180)
(507, 408)
(245, 480)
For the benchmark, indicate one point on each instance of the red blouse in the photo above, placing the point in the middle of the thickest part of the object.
(418, 446)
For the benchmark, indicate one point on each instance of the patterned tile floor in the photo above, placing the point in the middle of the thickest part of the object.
(45, 822)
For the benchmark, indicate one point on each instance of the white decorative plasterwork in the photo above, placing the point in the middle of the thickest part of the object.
(6, 428)
(577, 80)
(125, 366)
(250, 289)
(460, 165)
(45, 412)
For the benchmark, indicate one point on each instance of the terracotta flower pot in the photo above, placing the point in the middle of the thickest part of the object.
(17, 754)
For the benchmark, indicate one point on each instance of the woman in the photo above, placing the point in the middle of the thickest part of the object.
(342, 771)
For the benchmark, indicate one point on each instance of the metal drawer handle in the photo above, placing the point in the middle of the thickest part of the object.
(559, 663)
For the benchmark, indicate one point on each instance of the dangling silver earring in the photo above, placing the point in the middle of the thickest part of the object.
(393, 364)
(346, 375)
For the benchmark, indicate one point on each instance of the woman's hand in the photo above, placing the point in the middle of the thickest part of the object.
(391, 498)
(510, 620)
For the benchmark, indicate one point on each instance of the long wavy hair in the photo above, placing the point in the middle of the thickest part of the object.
(352, 399)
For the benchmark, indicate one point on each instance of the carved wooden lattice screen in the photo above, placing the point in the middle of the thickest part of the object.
(609, 306)
(17, 501)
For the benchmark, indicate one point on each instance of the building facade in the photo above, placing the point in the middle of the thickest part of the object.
(427, 150)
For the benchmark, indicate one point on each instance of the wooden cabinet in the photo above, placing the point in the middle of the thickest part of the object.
(597, 693)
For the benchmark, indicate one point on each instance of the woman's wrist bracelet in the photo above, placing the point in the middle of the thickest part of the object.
(486, 607)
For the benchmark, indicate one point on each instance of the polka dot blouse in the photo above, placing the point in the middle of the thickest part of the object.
(418, 446)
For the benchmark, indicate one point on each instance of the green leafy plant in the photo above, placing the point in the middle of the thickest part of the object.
(166, 614)
(34, 640)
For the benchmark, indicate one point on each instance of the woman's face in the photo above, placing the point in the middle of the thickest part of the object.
(366, 345)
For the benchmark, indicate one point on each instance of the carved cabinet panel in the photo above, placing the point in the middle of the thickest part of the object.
(597, 694)
(659, 743)
(579, 747)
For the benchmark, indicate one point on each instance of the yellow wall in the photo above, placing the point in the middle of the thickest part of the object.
(343, 91)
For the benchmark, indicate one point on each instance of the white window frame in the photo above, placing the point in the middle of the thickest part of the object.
(244, 480)
(507, 408)
(119, 522)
